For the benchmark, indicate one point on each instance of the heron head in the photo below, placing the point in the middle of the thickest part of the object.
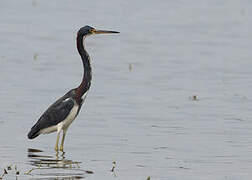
(88, 30)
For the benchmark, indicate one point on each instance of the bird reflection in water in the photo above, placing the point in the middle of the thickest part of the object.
(51, 167)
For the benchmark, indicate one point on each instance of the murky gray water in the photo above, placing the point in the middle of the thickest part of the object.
(140, 111)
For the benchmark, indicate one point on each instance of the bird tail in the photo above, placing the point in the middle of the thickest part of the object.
(33, 133)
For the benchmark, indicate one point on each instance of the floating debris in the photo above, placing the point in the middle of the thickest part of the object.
(29, 171)
(34, 3)
(194, 98)
(35, 56)
(5, 172)
(9, 167)
(130, 67)
(113, 168)
(242, 11)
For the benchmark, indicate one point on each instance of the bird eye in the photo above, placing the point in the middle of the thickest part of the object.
(92, 31)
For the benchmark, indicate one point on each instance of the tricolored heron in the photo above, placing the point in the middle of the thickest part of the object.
(62, 113)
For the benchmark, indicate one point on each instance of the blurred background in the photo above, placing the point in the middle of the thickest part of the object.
(170, 97)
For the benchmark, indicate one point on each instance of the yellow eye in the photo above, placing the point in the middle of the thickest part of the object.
(92, 31)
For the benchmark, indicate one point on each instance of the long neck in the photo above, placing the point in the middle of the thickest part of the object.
(87, 75)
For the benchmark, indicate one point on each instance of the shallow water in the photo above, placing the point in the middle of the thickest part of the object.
(140, 111)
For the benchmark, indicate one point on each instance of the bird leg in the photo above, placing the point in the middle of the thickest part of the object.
(57, 141)
(59, 127)
(63, 139)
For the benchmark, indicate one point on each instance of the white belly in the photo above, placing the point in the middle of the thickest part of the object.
(69, 119)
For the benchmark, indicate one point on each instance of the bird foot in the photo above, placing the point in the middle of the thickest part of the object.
(61, 148)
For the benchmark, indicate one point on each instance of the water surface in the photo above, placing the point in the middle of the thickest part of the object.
(140, 111)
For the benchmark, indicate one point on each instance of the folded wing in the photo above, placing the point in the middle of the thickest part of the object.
(55, 114)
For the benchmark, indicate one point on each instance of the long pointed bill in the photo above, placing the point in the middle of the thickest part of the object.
(104, 32)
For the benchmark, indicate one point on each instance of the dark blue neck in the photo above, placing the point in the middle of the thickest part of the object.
(87, 74)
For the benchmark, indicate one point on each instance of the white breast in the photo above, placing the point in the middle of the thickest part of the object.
(69, 119)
